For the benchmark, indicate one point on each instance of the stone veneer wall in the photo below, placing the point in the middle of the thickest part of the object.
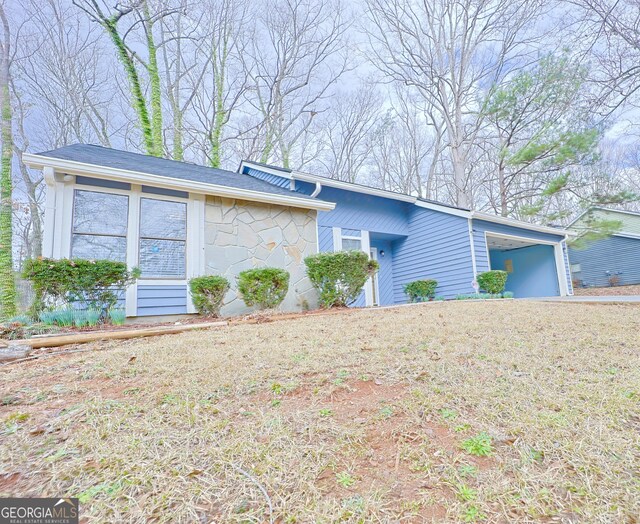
(242, 235)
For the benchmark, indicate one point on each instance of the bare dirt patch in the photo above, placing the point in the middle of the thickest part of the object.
(454, 412)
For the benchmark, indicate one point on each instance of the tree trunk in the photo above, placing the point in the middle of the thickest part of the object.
(7, 281)
(220, 116)
(156, 90)
(137, 97)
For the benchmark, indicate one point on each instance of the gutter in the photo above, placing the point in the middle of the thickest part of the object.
(80, 168)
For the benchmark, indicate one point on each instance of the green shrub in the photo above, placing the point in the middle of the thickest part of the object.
(264, 287)
(92, 284)
(507, 294)
(492, 281)
(208, 293)
(339, 277)
(421, 290)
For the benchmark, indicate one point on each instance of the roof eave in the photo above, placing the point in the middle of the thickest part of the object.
(72, 167)
(478, 215)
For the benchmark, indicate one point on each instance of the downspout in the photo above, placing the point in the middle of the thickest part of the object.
(317, 190)
(473, 248)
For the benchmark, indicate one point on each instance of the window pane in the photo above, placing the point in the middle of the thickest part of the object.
(162, 219)
(351, 244)
(162, 258)
(95, 212)
(95, 247)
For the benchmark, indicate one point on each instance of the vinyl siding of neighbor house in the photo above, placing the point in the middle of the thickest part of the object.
(437, 247)
(162, 300)
(630, 221)
(616, 254)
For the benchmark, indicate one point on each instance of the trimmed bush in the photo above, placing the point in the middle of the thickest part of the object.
(263, 287)
(421, 290)
(339, 277)
(492, 281)
(91, 284)
(208, 293)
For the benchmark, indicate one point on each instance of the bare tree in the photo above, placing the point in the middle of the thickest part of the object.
(611, 30)
(446, 50)
(137, 14)
(406, 148)
(347, 133)
(64, 78)
(297, 54)
(216, 80)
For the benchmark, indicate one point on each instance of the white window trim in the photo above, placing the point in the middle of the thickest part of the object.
(187, 256)
(59, 230)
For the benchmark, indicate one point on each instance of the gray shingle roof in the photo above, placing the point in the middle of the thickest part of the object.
(115, 158)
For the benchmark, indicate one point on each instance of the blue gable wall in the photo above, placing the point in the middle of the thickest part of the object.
(268, 177)
(534, 270)
(437, 247)
(364, 212)
(616, 254)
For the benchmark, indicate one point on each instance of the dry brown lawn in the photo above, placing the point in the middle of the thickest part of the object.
(444, 412)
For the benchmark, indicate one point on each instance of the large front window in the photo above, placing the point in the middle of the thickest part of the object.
(99, 226)
(163, 235)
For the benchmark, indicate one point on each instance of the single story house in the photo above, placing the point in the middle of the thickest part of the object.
(615, 259)
(176, 220)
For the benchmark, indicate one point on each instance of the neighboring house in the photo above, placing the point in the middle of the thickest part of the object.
(616, 257)
(176, 220)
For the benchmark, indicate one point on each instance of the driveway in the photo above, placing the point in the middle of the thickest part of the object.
(634, 299)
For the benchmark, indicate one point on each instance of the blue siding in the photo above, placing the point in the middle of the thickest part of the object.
(437, 247)
(325, 239)
(534, 270)
(364, 212)
(162, 300)
(276, 180)
(616, 254)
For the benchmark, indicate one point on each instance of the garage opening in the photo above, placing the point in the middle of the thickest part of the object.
(531, 266)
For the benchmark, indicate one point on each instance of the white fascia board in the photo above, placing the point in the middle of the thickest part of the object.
(271, 170)
(444, 209)
(519, 223)
(357, 188)
(624, 234)
(135, 177)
